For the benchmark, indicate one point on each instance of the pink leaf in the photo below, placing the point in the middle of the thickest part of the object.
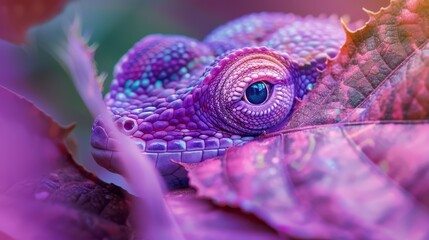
(141, 175)
(319, 183)
(342, 176)
(43, 194)
(379, 74)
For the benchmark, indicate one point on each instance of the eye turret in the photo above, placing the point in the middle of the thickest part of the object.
(248, 91)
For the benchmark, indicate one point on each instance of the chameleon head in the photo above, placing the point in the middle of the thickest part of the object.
(215, 104)
(181, 100)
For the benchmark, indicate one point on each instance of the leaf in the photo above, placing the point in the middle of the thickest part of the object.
(321, 183)
(352, 160)
(27, 133)
(42, 191)
(152, 213)
(378, 74)
(17, 16)
(201, 219)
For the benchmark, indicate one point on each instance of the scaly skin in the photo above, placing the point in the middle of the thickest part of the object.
(182, 100)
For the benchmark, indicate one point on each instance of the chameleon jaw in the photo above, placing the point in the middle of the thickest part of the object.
(166, 157)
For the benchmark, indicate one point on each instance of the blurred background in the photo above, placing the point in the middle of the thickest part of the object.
(28, 65)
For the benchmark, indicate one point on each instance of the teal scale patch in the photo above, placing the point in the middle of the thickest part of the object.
(158, 84)
(183, 70)
(145, 82)
(130, 93)
(128, 83)
(135, 85)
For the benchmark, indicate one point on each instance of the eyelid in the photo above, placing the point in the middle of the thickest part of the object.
(271, 80)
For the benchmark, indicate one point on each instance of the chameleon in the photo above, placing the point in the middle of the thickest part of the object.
(184, 101)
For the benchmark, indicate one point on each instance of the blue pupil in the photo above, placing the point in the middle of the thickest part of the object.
(257, 93)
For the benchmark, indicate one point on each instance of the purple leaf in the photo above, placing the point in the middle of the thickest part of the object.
(151, 212)
(380, 73)
(43, 193)
(336, 171)
(201, 219)
(322, 182)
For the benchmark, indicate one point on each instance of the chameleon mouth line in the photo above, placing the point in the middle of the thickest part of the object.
(165, 161)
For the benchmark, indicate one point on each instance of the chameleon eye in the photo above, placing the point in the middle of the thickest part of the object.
(248, 90)
(256, 93)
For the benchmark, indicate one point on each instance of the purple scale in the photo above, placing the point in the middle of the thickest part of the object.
(145, 105)
(202, 125)
(163, 105)
(208, 132)
(160, 110)
(168, 138)
(158, 101)
(137, 111)
(190, 111)
(221, 151)
(195, 144)
(165, 162)
(225, 142)
(147, 137)
(193, 134)
(152, 118)
(160, 125)
(146, 127)
(176, 145)
(175, 104)
(167, 114)
(192, 156)
(211, 153)
(156, 145)
(196, 94)
(188, 101)
(174, 121)
(178, 113)
(166, 93)
(176, 133)
(192, 125)
(160, 134)
(138, 134)
(172, 98)
(185, 119)
(170, 128)
(195, 118)
(212, 143)
(99, 137)
(149, 109)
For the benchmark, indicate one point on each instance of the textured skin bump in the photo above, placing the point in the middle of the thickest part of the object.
(182, 100)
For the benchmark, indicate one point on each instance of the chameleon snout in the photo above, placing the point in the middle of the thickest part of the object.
(104, 148)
